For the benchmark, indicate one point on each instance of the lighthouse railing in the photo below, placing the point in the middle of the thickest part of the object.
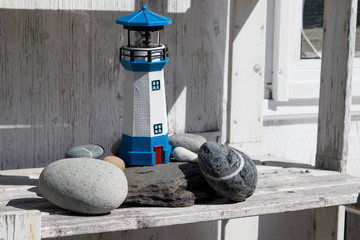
(133, 54)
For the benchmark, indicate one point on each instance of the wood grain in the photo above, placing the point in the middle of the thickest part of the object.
(61, 84)
(279, 190)
(335, 86)
(246, 80)
(20, 225)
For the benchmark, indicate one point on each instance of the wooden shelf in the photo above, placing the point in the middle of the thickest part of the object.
(279, 190)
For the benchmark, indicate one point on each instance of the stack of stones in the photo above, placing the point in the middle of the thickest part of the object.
(175, 184)
(230, 172)
(186, 146)
(201, 170)
(82, 183)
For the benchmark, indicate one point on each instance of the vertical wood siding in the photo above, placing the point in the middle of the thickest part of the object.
(20, 225)
(61, 83)
(335, 86)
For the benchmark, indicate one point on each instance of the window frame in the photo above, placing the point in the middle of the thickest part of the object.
(158, 127)
(156, 84)
(293, 77)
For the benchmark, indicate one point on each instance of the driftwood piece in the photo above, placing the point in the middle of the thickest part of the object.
(167, 185)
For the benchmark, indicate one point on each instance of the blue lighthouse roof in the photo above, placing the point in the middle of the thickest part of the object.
(144, 18)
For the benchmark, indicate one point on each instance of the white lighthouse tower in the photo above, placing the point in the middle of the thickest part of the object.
(145, 138)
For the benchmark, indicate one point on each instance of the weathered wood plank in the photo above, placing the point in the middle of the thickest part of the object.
(307, 183)
(125, 219)
(15, 180)
(279, 190)
(352, 230)
(274, 172)
(194, 231)
(335, 86)
(20, 225)
(246, 74)
(329, 223)
(61, 83)
(8, 196)
(299, 225)
(70, 5)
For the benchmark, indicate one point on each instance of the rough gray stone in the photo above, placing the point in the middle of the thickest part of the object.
(175, 184)
(85, 151)
(231, 173)
(191, 142)
(84, 185)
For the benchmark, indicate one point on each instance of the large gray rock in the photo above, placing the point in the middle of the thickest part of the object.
(173, 184)
(189, 141)
(84, 185)
(85, 151)
(231, 173)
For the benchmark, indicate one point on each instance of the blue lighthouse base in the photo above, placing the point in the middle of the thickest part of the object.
(141, 151)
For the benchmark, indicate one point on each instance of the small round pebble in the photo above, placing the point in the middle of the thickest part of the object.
(189, 141)
(85, 151)
(116, 161)
(231, 173)
(184, 155)
(84, 185)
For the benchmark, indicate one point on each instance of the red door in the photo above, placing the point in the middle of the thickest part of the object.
(159, 154)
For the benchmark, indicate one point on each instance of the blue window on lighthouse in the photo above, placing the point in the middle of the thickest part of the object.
(155, 85)
(158, 128)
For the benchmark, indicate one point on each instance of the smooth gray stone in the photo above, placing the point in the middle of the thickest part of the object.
(85, 151)
(84, 185)
(229, 175)
(189, 141)
(175, 184)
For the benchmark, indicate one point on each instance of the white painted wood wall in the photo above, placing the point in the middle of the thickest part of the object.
(246, 75)
(61, 83)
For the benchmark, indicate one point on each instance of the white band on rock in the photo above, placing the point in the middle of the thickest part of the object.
(242, 163)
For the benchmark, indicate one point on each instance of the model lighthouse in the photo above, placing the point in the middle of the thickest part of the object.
(145, 138)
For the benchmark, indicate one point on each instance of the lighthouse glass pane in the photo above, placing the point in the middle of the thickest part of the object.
(311, 37)
(145, 39)
(158, 128)
(156, 38)
(155, 85)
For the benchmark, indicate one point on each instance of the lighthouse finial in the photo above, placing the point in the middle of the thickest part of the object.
(144, 7)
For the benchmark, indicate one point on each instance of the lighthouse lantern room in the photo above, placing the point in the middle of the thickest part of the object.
(145, 138)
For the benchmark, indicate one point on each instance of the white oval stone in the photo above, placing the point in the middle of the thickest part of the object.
(84, 185)
(184, 155)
